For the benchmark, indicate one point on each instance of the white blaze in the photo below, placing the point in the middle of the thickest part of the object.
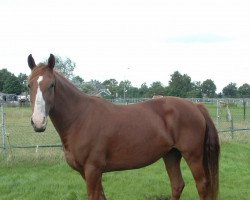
(39, 115)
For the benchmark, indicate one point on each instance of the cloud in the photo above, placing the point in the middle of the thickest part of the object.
(198, 39)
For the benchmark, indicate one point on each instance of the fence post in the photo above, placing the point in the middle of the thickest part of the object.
(230, 119)
(244, 109)
(232, 128)
(3, 132)
(217, 113)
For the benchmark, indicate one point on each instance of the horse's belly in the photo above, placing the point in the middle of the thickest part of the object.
(134, 157)
(138, 146)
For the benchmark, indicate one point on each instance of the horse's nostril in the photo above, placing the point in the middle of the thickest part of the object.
(32, 123)
(44, 120)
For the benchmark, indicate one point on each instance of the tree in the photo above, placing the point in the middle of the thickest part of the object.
(156, 88)
(195, 91)
(4, 74)
(87, 88)
(78, 82)
(112, 86)
(230, 90)
(143, 90)
(66, 66)
(133, 92)
(12, 85)
(244, 91)
(179, 85)
(208, 88)
(23, 78)
(123, 88)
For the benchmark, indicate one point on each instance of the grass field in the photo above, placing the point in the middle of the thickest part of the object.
(54, 180)
(42, 173)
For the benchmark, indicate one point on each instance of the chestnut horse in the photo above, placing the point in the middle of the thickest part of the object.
(99, 136)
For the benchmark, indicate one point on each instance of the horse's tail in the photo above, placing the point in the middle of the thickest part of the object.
(211, 154)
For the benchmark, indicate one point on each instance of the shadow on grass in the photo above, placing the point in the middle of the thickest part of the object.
(159, 198)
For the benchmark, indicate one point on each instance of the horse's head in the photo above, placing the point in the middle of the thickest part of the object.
(41, 84)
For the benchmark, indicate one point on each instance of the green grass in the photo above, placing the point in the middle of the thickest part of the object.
(42, 173)
(54, 180)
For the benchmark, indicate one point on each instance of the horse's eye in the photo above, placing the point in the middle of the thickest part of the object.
(52, 85)
(29, 86)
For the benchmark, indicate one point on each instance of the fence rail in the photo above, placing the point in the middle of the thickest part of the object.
(231, 116)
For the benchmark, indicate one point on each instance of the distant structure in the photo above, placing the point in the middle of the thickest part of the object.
(101, 93)
(13, 99)
(157, 96)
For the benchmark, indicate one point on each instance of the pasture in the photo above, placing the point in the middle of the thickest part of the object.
(40, 173)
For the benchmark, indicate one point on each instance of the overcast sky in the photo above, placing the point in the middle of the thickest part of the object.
(138, 40)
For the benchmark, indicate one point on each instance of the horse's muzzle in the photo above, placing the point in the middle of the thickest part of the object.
(39, 126)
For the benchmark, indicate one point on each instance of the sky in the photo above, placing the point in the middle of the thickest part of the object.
(137, 40)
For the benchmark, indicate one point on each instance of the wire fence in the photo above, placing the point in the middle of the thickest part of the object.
(20, 142)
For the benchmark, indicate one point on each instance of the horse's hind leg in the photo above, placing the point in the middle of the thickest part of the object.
(195, 163)
(172, 162)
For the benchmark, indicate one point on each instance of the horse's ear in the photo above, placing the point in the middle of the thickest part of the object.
(31, 62)
(51, 61)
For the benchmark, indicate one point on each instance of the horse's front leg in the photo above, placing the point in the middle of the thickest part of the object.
(93, 177)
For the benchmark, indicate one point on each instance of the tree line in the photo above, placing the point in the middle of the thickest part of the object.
(179, 85)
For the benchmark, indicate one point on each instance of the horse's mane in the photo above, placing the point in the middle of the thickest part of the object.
(59, 76)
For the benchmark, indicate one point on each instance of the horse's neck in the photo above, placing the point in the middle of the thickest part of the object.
(68, 103)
